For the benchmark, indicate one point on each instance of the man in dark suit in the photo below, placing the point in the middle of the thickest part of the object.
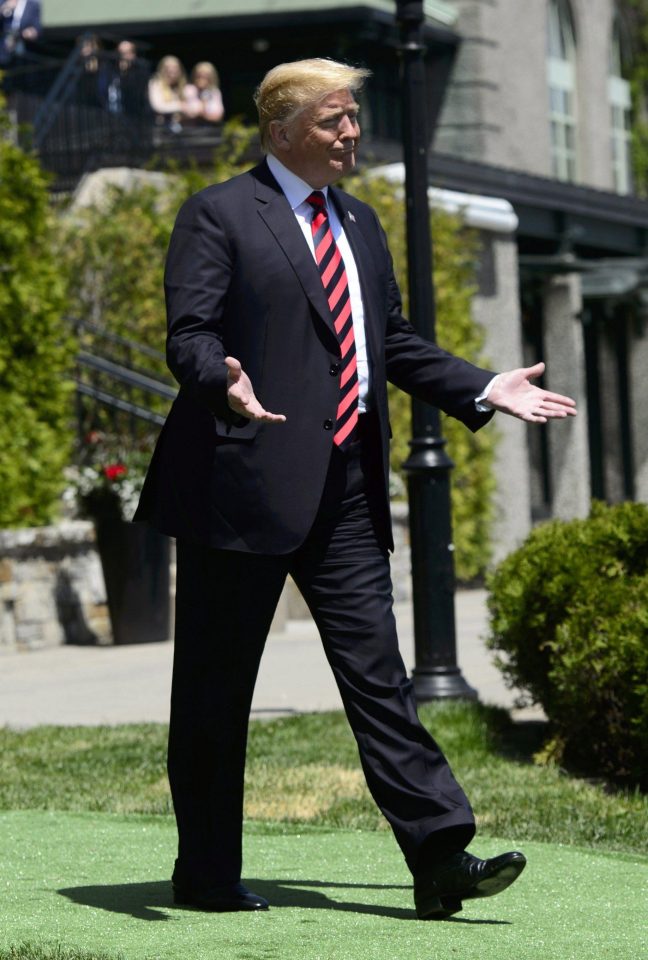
(284, 326)
(20, 24)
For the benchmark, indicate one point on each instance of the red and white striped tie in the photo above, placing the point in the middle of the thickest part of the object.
(336, 287)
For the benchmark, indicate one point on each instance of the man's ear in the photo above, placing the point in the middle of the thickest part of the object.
(280, 136)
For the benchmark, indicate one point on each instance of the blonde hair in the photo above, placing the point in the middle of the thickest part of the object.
(289, 88)
(168, 92)
(206, 67)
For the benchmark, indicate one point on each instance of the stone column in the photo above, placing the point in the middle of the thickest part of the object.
(564, 356)
(638, 360)
(496, 307)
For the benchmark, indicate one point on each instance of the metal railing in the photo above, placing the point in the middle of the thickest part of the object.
(115, 391)
(89, 111)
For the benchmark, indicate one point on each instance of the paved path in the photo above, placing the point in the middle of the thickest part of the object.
(97, 685)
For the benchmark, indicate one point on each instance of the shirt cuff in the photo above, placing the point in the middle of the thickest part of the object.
(481, 403)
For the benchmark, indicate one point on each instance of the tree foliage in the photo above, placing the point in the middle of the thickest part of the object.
(36, 348)
(635, 20)
(114, 251)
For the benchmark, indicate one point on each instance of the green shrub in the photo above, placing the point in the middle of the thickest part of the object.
(569, 612)
(113, 255)
(113, 252)
(36, 349)
(634, 15)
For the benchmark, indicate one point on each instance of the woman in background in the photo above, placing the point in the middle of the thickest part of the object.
(167, 93)
(202, 96)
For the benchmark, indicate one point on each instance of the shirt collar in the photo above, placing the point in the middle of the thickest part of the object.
(295, 189)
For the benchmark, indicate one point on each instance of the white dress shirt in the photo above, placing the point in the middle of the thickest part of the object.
(296, 191)
(19, 9)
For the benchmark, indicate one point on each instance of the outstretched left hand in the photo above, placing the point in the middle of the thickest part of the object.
(513, 393)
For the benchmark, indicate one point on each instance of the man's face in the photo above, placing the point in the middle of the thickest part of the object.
(319, 145)
(126, 52)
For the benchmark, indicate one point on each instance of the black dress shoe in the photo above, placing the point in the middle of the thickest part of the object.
(220, 898)
(440, 889)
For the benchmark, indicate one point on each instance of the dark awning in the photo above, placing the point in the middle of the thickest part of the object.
(584, 218)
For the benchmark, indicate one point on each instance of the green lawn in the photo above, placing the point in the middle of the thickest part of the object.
(99, 882)
(305, 770)
(88, 842)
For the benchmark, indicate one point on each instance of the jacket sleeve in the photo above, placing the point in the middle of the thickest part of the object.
(196, 282)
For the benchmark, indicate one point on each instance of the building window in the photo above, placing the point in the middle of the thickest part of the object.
(561, 76)
(620, 113)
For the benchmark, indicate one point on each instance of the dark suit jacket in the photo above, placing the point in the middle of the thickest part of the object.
(31, 17)
(241, 281)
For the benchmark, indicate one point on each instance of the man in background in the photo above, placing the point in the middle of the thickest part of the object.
(20, 25)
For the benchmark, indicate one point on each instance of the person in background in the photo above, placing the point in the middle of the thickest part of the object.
(126, 91)
(20, 23)
(90, 48)
(203, 98)
(93, 80)
(167, 93)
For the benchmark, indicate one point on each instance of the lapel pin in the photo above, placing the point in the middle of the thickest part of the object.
(351, 217)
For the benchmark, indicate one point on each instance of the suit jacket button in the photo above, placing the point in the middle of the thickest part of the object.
(334, 369)
(328, 424)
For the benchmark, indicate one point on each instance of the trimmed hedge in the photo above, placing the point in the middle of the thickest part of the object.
(36, 348)
(569, 615)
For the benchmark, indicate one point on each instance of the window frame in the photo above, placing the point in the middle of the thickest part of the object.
(562, 91)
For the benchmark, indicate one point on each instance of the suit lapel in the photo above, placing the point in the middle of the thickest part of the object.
(275, 211)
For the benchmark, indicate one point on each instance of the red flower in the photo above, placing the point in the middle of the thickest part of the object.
(114, 471)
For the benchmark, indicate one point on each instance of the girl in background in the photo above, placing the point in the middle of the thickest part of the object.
(202, 96)
(167, 93)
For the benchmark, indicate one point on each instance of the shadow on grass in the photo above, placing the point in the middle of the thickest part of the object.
(144, 901)
(521, 739)
(151, 901)
(512, 739)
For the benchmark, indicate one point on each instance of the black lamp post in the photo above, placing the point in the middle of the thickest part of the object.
(428, 466)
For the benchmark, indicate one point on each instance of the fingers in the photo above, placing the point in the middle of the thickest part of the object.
(533, 418)
(558, 409)
(271, 417)
(234, 368)
(558, 398)
(535, 371)
(553, 404)
(241, 397)
(543, 410)
(254, 411)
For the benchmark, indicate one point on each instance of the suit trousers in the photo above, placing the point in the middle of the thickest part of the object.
(225, 604)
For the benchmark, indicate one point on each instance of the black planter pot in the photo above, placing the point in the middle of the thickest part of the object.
(135, 561)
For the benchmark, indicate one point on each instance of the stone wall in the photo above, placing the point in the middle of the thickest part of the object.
(52, 588)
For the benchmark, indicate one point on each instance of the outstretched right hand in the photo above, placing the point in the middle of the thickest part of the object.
(241, 397)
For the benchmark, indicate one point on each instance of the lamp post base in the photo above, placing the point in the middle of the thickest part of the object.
(442, 683)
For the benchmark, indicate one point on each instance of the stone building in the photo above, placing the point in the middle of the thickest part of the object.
(537, 112)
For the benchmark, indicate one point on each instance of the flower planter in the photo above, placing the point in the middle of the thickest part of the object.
(135, 561)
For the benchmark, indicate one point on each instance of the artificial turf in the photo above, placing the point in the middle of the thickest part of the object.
(96, 885)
